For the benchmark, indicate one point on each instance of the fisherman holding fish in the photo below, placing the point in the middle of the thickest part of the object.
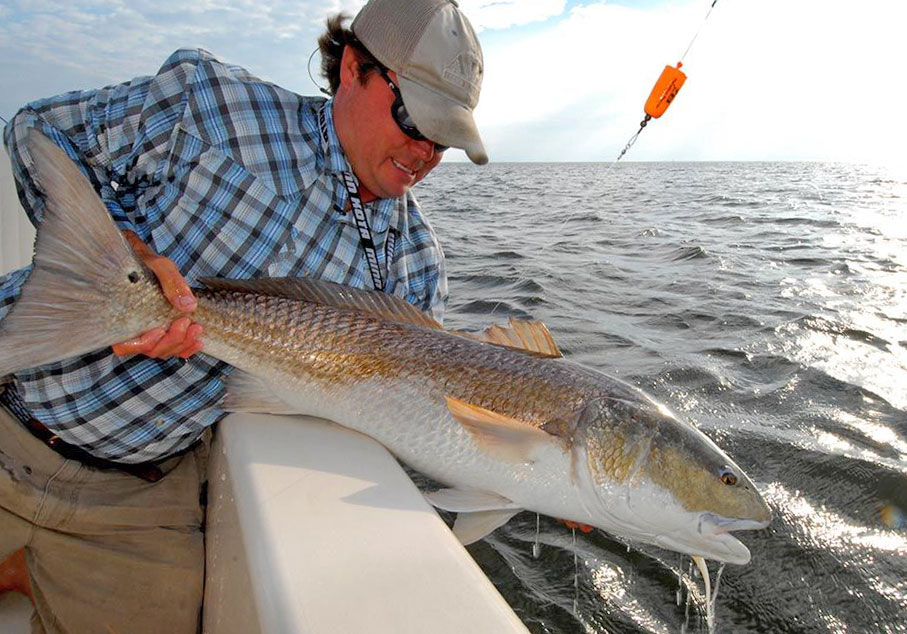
(210, 172)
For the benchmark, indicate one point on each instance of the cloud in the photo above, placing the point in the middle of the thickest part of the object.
(51, 46)
(767, 80)
(114, 40)
(503, 14)
(587, 68)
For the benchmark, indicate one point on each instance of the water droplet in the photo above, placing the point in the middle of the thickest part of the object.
(575, 575)
(536, 547)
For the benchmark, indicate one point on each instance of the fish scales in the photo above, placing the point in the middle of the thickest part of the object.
(342, 346)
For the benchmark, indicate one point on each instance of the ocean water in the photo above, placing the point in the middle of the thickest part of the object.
(764, 302)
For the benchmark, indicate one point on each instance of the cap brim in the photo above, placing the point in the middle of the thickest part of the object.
(443, 120)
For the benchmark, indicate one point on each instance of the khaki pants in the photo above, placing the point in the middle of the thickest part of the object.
(107, 553)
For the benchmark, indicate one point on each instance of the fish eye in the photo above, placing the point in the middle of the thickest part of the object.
(133, 277)
(728, 477)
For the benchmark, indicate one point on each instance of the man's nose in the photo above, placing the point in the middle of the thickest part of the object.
(425, 149)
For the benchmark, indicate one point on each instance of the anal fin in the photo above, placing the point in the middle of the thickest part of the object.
(471, 527)
(479, 513)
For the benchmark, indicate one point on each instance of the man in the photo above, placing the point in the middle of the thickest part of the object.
(209, 171)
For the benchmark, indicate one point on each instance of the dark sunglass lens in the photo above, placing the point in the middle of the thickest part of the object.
(404, 120)
(406, 123)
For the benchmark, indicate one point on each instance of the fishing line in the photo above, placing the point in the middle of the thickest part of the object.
(686, 610)
(715, 591)
(699, 31)
(679, 580)
(666, 88)
(4, 119)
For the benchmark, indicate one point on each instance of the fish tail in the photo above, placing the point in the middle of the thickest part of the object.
(76, 296)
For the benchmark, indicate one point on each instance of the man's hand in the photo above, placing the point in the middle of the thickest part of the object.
(181, 338)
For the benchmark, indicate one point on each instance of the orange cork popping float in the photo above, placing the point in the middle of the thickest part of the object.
(665, 90)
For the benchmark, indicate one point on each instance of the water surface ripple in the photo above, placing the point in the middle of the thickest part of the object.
(764, 302)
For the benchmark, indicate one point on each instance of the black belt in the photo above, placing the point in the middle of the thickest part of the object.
(148, 471)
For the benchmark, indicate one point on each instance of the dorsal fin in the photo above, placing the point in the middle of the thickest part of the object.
(527, 336)
(329, 294)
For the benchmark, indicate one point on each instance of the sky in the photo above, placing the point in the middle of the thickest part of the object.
(565, 80)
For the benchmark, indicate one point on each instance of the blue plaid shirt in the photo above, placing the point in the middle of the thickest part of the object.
(227, 176)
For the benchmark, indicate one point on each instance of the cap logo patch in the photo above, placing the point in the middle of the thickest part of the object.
(464, 71)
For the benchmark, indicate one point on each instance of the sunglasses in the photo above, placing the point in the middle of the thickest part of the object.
(402, 117)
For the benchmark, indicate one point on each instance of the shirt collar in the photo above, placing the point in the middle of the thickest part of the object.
(334, 159)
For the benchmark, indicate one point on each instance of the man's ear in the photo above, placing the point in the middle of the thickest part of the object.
(349, 66)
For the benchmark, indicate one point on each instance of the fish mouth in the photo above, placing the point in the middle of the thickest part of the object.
(712, 524)
(713, 539)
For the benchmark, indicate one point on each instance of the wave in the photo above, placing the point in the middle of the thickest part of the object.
(818, 323)
(506, 284)
(680, 279)
(491, 307)
(806, 261)
(724, 221)
(688, 253)
(780, 220)
(506, 255)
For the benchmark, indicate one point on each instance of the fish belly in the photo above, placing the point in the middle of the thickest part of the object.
(414, 424)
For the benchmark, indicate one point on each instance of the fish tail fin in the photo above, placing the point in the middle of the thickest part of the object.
(77, 296)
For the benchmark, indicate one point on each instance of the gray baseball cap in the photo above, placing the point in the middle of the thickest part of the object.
(436, 55)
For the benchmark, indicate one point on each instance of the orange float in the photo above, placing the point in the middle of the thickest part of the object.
(666, 88)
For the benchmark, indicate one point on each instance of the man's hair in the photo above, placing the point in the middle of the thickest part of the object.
(331, 44)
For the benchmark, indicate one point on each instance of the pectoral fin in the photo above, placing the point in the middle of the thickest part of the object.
(504, 437)
(471, 527)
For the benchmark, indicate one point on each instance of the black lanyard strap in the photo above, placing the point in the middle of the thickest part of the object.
(365, 231)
